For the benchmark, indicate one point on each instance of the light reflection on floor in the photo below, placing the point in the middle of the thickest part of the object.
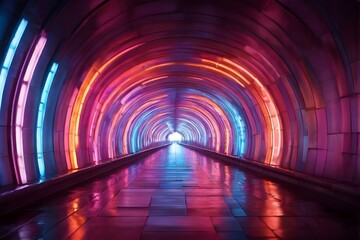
(177, 193)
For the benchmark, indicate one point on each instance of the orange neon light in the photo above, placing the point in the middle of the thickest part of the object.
(205, 66)
(236, 73)
(273, 114)
(153, 80)
(78, 105)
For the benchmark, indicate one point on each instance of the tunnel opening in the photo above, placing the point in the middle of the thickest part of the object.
(175, 137)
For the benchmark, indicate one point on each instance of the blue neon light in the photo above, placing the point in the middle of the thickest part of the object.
(10, 56)
(40, 119)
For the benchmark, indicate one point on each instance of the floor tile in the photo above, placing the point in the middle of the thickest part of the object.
(222, 224)
(124, 212)
(284, 222)
(251, 222)
(209, 212)
(301, 233)
(168, 201)
(238, 212)
(179, 223)
(232, 235)
(168, 211)
(66, 228)
(259, 232)
(105, 233)
(131, 201)
(205, 202)
(210, 235)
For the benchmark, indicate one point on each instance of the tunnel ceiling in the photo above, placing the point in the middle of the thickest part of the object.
(84, 82)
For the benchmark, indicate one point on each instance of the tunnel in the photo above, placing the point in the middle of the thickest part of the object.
(269, 83)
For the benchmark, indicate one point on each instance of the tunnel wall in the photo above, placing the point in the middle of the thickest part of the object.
(83, 82)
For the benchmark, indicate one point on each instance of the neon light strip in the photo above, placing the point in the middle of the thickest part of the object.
(205, 115)
(106, 102)
(115, 120)
(223, 117)
(203, 66)
(194, 124)
(40, 120)
(21, 107)
(274, 116)
(219, 65)
(10, 56)
(73, 138)
(130, 121)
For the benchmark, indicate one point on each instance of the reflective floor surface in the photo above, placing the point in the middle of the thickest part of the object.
(177, 193)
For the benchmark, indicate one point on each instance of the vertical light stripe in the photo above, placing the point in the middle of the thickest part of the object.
(10, 56)
(40, 119)
(21, 104)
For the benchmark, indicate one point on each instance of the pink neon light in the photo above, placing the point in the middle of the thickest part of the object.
(75, 111)
(19, 119)
(21, 100)
(34, 59)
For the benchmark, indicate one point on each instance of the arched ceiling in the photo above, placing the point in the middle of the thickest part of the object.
(271, 81)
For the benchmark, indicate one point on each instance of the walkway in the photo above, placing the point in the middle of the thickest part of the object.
(177, 193)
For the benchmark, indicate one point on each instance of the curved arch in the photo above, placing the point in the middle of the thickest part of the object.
(273, 82)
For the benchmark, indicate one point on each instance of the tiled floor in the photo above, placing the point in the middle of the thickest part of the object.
(177, 193)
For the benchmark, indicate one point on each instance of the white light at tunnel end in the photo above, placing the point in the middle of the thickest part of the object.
(175, 137)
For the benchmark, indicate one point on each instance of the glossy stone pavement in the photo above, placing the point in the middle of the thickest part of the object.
(177, 193)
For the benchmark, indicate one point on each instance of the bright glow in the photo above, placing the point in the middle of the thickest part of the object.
(10, 56)
(175, 137)
(19, 119)
(40, 119)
